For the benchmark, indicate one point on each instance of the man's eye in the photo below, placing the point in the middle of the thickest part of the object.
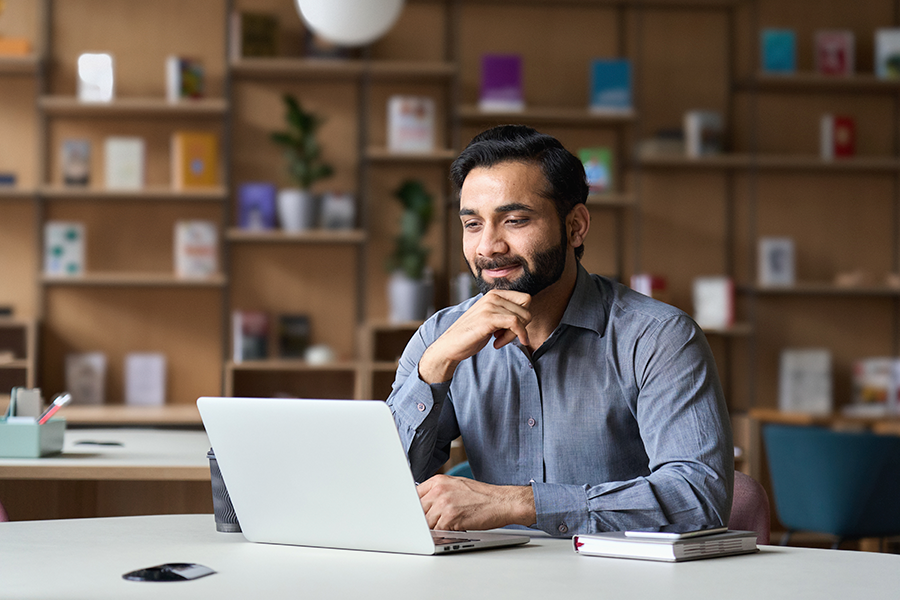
(516, 221)
(471, 225)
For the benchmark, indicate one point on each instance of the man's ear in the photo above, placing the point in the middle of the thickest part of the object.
(578, 222)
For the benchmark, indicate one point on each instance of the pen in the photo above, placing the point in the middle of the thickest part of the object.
(58, 402)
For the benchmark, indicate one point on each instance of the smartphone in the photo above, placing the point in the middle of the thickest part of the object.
(676, 531)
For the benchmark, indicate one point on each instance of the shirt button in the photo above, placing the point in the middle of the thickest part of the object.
(563, 528)
(531, 422)
(530, 366)
(421, 407)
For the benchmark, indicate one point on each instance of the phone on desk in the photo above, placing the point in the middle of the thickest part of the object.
(676, 531)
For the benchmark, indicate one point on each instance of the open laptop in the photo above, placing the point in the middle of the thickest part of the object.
(325, 473)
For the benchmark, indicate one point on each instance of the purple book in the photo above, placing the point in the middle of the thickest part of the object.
(501, 83)
(256, 205)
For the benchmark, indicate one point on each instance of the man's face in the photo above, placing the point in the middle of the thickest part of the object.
(512, 235)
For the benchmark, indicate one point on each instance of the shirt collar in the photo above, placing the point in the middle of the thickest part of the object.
(587, 307)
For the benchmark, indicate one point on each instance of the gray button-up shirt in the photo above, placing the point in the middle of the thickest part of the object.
(617, 421)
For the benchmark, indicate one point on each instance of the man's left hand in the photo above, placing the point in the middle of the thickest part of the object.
(457, 503)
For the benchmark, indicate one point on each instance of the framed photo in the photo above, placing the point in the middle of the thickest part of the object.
(776, 262)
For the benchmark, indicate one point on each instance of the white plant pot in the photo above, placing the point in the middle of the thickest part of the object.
(296, 209)
(408, 299)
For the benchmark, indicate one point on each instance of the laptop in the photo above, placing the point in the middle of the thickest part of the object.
(325, 473)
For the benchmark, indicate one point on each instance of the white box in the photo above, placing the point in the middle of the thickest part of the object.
(86, 377)
(95, 77)
(714, 302)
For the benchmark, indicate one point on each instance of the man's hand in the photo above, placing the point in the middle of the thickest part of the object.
(499, 314)
(456, 504)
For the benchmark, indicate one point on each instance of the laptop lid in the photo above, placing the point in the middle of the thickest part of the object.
(325, 473)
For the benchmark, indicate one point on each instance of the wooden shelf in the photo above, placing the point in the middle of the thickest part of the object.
(810, 82)
(159, 280)
(389, 156)
(145, 416)
(19, 65)
(292, 365)
(546, 116)
(736, 330)
(772, 162)
(16, 193)
(17, 364)
(313, 236)
(162, 194)
(69, 106)
(821, 289)
(611, 200)
(339, 69)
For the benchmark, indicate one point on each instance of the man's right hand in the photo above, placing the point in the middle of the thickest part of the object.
(499, 314)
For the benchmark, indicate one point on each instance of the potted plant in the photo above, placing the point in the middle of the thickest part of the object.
(409, 287)
(296, 206)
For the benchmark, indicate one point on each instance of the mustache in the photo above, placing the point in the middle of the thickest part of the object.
(498, 263)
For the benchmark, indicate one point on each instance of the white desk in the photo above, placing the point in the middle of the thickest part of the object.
(86, 559)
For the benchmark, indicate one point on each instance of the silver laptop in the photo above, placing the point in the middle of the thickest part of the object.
(325, 473)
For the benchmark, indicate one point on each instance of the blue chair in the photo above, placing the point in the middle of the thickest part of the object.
(460, 470)
(840, 483)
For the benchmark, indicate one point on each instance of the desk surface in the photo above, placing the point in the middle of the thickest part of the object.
(144, 455)
(87, 558)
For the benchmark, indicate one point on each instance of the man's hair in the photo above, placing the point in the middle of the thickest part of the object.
(566, 182)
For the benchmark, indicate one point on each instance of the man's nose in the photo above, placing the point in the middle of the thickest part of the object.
(492, 241)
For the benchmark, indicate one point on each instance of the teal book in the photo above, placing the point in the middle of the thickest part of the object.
(610, 85)
(778, 51)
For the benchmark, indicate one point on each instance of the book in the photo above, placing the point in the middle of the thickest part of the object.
(316, 46)
(665, 142)
(63, 248)
(704, 132)
(196, 249)
(256, 205)
(714, 302)
(75, 162)
(86, 377)
(617, 545)
(778, 48)
(185, 78)
(876, 386)
(145, 379)
(804, 381)
(250, 335)
(96, 81)
(195, 160)
(14, 46)
(775, 261)
(835, 52)
(410, 123)
(654, 286)
(124, 162)
(7, 179)
(837, 137)
(253, 34)
(338, 211)
(598, 168)
(887, 53)
(501, 83)
(294, 332)
(610, 85)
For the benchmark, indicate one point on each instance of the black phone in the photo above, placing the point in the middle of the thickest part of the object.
(169, 572)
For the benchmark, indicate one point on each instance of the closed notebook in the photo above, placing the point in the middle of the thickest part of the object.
(617, 545)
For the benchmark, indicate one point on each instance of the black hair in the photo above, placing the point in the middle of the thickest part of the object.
(566, 182)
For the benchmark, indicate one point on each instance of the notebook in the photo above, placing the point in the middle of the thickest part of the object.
(325, 473)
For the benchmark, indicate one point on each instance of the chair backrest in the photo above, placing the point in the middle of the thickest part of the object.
(750, 507)
(460, 470)
(3, 516)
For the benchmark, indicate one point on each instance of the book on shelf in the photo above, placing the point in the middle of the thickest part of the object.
(253, 34)
(294, 333)
(714, 302)
(876, 386)
(86, 377)
(196, 249)
(616, 544)
(124, 162)
(835, 52)
(704, 132)
(96, 79)
(195, 160)
(410, 123)
(778, 48)
(665, 142)
(7, 179)
(775, 261)
(75, 162)
(316, 46)
(256, 203)
(804, 381)
(338, 211)
(654, 286)
(501, 83)
(145, 379)
(598, 168)
(249, 335)
(14, 46)
(185, 78)
(610, 80)
(837, 137)
(64, 248)
(887, 53)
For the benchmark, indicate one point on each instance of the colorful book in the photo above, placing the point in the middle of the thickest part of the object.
(253, 34)
(778, 49)
(610, 85)
(876, 386)
(654, 286)
(196, 249)
(294, 333)
(598, 168)
(75, 162)
(887, 53)
(256, 203)
(714, 302)
(14, 46)
(195, 160)
(704, 132)
(185, 78)
(124, 163)
(64, 248)
(501, 83)
(411, 123)
(838, 137)
(835, 52)
(250, 335)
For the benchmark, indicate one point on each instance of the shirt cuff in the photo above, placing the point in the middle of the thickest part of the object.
(561, 509)
(419, 400)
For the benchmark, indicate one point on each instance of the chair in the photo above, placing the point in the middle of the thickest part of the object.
(750, 507)
(3, 515)
(844, 484)
(460, 470)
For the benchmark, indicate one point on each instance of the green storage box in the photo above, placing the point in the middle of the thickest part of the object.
(30, 440)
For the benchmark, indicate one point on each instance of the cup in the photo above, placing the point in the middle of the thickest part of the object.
(226, 519)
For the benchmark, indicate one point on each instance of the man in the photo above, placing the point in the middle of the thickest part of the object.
(583, 405)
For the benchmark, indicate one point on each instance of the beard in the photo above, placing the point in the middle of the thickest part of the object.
(546, 268)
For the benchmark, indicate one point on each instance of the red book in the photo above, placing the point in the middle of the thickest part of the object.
(835, 52)
(838, 137)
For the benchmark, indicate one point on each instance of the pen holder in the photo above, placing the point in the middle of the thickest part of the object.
(30, 440)
(226, 519)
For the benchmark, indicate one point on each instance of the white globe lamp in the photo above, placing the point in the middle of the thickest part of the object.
(350, 22)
